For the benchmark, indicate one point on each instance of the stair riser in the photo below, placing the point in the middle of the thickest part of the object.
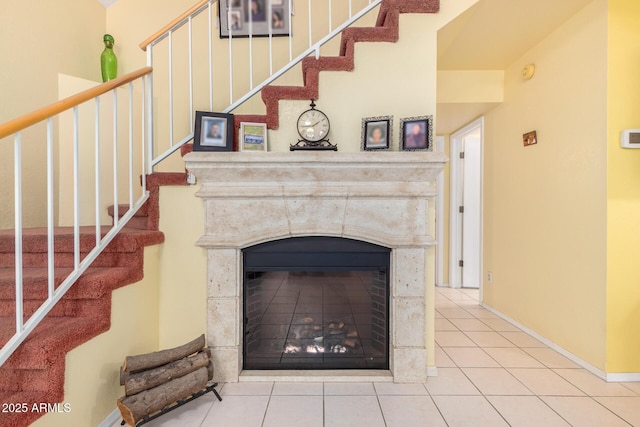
(32, 354)
(66, 259)
(137, 222)
(17, 380)
(64, 308)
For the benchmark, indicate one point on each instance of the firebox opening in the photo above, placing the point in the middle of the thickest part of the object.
(316, 303)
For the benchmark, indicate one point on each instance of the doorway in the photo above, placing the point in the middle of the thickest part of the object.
(465, 257)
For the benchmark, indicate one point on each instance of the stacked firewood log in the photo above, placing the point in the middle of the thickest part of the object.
(155, 380)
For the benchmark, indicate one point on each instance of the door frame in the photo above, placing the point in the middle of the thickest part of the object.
(455, 193)
(440, 218)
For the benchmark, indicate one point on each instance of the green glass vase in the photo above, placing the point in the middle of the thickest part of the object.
(108, 60)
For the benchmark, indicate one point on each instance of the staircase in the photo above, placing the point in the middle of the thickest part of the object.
(386, 30)
(35, 373)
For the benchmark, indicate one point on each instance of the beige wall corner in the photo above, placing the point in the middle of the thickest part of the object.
(623, 191)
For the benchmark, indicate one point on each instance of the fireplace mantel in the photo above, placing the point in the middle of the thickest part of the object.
(315, 167)
(386, 198)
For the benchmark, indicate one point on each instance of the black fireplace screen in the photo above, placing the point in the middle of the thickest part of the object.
(316, 303)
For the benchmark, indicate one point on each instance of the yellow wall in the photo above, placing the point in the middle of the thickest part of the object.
(70, 85)
(623, 190)
(476, 86)
(92, 378)
(183, 267)
(545, 205)
(38, 40)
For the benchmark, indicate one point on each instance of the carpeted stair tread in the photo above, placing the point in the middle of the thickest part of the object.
(122, 250)
(94, 283)
(52, 338)
(35, 240)
(139, 220)
(124, 208)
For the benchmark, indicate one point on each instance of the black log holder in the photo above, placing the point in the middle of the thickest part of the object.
(179, 403)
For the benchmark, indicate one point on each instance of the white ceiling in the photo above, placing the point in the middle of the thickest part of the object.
(491, 35)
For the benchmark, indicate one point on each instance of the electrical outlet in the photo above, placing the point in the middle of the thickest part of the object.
(490, 277)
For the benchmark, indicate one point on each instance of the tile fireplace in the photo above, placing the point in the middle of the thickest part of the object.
(305, 205)
(316, 303)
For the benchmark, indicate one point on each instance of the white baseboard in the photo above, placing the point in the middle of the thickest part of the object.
(624, 377)
(442, 285)
(432, 371)
(111, 419)
(586, 365)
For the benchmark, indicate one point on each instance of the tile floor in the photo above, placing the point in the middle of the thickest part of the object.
(490, 374)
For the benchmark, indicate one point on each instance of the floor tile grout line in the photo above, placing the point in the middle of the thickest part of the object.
(628, 388)
(496, 409)
(438, 408)
(384, 420)
(608, 409)
(324, 405)
(266, 409)
(213, 402)
(549, 406)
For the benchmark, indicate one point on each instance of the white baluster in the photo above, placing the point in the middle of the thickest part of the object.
(76, 190)
(50, 213)
(18, 227)
(97, 169)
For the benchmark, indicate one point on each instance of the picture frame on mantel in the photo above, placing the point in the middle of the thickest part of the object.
(253, 137)
(213, 131)
(416, 133)
(376, 133)
(255, 18)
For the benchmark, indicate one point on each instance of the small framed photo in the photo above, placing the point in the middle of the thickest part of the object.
(254, 18)
(253, 136)
(213, 132)
(236, 20)
(416, 133)
(376, 133)
(530, 138)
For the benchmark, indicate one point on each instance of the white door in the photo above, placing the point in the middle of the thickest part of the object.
(471, 213)
(465, 266)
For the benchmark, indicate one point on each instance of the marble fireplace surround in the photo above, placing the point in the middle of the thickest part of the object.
(386, 198)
